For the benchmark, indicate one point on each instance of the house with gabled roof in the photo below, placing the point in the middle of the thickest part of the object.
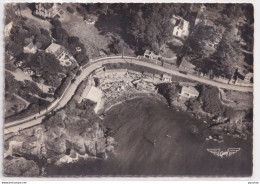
(28, 71)
(166, 77)
(30, 48)
(61, 54)
(91, 93)
(188, 92)
(181, 27)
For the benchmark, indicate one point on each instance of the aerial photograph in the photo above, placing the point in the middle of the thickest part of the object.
(128, 89)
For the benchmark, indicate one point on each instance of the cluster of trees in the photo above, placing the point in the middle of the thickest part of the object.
(47, 66)
(24, 89)
(211, 104)
(169, 91)
(142, 26)
(236, 19)
(71, 43)
(63, 85)
(21, 34)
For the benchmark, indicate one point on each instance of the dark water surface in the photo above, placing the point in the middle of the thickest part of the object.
(154, 139)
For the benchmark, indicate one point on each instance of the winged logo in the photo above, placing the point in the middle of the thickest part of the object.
(221, 154)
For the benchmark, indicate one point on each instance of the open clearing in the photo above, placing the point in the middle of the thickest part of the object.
(245, 99)
(87, 33)
(14, 104)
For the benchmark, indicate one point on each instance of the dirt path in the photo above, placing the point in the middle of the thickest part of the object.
(26, 102)
(222, 97)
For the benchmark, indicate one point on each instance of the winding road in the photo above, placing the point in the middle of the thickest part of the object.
(16, 126)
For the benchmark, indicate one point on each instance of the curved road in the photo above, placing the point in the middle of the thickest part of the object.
(35, 119)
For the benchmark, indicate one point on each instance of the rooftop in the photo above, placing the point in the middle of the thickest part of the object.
(167, 76)
(92, 93)
(54, 48)
(190, 90)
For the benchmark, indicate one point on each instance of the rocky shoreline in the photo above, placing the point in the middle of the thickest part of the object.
(77, 132)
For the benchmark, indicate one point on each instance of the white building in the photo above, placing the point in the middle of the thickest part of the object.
(8, 28)
(248, 77)
(166, 78)
(188, 92)
(151, 55)
(61, 54)
(30, 48)
(28, 71)
(48, 10)
(181, 27)
(55, 49)
(18, 64)
(91, 93)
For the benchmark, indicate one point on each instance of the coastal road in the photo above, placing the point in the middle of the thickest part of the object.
(92, 66)
(194, 77)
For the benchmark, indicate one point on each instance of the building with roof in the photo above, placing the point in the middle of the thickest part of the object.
(200, 16)
(8, 28)
(61, 54)
(19, 64)
(166, 78)
(243, 79)
(48, 10)
(157, 77)
(55, 49)
(28, 71)
(91, 93)
(248, 77)
(181, 27)
(150, 55)
(188, 92)
(30, 48)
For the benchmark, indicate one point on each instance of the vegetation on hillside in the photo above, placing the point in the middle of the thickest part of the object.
(71, 43)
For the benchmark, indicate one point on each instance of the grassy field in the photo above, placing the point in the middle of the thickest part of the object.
(94, 39)
(13, 104)
(241, 100)
(87, 33)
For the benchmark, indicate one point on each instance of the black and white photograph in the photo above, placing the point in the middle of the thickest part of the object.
(128, 89)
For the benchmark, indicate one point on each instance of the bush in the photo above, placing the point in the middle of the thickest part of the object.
(64, 83)
(193, 104)
(70, 10)
(211, 101)
(169, 91)
(78, 72)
